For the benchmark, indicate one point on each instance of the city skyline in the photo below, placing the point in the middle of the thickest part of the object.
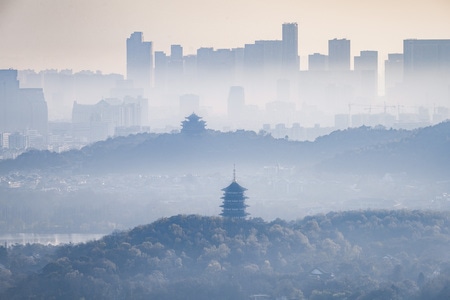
(89, 35)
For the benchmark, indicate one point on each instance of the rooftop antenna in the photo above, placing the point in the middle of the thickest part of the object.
(234, 172)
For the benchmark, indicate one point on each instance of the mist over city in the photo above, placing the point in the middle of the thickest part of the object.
(191, 150)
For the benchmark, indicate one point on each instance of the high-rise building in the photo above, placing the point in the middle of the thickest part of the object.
(21, 109)
(273, 55)
(161, 65)
(393, 71)
(17, 141)
(254, 58)
(339, 55)
(204, 58)
(139, 61)
(426, 57)
(236, 102)
(223, 64)
(238, 57)
(33, 110)
(290, 47)
(190, 65)
(317, 62)
(176, 54)
(96, 122)
(175, 68)
(366, 61)
(176, 59)
(366, 65)
(426, 72)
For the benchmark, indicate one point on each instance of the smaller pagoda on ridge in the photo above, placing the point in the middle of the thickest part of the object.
(193, 125)
(234, 200)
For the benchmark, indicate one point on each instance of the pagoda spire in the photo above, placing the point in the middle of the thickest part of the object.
(234, 172)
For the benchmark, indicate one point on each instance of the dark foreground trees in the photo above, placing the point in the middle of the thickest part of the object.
(345, 255)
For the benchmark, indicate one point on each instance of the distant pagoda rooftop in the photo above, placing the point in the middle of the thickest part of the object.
(193, 125)
(234, 187)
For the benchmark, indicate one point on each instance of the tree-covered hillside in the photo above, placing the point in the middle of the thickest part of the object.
(340, 255)
(212, 149)
(125, 181)
(423, 154)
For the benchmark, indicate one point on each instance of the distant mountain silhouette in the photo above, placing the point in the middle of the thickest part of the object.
(424, 153)
(364, 149)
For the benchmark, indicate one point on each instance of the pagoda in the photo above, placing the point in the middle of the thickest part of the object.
(193, 125)
(234, 200)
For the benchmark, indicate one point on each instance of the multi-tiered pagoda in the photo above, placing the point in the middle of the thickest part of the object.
(234, 200)
(193, 125)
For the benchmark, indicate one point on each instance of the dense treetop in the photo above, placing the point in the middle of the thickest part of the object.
(340, 255)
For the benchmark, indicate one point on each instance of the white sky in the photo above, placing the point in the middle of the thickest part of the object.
(91, 34)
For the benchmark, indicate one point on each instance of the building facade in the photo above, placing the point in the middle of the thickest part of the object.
(291, 60)
(339, 55)
(21, 109)
(139, 61)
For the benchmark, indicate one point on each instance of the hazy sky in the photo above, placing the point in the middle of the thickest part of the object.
(91, 34)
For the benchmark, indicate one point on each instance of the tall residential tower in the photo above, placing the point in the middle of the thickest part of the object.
(290, 47)
(339, 55)
(139, 61)
(426, 57)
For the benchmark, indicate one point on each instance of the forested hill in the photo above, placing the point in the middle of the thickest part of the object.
(425, 153)
(361, 149)
(340, 255)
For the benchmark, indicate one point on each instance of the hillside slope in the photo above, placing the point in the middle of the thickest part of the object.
(153, 153)
(346, 255)
(424, 154)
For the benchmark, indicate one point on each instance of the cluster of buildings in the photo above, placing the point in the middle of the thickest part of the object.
(61, 110)
(22, 110)
(260, 85)
(334, 89)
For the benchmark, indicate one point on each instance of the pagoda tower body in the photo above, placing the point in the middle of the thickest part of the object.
(193, 125)
(234, 201)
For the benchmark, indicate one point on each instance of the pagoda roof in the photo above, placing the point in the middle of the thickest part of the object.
(193, 117)
(234, 187)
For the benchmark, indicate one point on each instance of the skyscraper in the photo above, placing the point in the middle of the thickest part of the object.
(236, 102)
(176, 58)
(422, 57)
(254, 58)
(139, 61)
(339, 55)
(21, 109)
(273, 53)
(393, 71)
(366, 65)
(290, 47)
(204, 58)
(426, 72)
(175, 68)
(317, 62)
(366, 61)
(161, 66)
